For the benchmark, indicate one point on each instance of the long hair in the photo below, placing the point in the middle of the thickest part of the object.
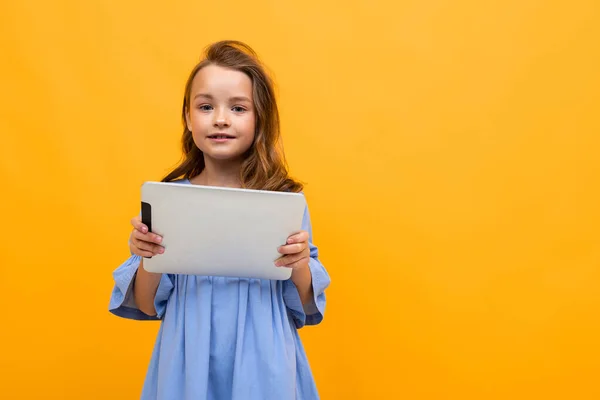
(264, 166)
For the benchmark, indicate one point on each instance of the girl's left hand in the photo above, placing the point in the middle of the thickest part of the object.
(296, 252)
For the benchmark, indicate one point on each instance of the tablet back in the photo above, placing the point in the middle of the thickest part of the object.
(217, 231)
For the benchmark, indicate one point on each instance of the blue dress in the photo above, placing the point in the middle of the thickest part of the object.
(226, 338)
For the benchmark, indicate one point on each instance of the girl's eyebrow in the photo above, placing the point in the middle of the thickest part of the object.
(240, 98)
(234, 98)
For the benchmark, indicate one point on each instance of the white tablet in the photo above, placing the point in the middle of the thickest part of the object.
(216, 231)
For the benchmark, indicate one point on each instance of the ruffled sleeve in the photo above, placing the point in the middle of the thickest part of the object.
(122, 303)
(313, 312)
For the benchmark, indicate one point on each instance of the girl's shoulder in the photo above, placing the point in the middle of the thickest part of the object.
(183, 181)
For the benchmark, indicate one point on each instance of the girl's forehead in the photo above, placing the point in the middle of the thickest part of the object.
(217, 80)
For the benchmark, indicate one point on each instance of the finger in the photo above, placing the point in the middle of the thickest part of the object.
(292, 248)
(148, 252)
(294, 262)
(299, 237)
(147, 246)
(143, 253)
(147, 237)
(137, 224)
(139, 248)
(291, 258)
(286, 260)
(139, 245)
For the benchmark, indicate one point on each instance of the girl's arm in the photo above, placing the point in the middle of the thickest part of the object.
(145, 244)
(302, 278)
(144, 289)
(296, 255)
(304, 292)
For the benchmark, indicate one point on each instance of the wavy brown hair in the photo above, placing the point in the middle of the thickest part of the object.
(264, 166)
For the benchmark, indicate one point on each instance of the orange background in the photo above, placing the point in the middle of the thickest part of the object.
(451, 155)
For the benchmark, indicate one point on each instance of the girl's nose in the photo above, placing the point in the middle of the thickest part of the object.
(221, 120)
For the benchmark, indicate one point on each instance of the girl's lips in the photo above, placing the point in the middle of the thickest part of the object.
(220, 138)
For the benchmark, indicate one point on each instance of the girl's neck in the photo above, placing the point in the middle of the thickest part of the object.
(219, 174)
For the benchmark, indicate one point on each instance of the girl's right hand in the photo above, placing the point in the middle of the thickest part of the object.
(143, 243)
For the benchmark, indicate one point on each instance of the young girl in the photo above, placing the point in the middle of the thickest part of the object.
(227, 338)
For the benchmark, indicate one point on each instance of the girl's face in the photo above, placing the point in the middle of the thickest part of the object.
(221, 117)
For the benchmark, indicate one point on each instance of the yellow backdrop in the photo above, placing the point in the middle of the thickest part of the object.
(450, 151)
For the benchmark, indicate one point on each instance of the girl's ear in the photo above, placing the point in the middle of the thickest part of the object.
(187, 119)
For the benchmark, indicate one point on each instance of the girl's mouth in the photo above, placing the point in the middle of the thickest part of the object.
(220, 137)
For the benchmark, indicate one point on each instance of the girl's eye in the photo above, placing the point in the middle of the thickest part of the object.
(238, 109)
(205, 107)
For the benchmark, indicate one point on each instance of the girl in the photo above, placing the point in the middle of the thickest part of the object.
(227, 338)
